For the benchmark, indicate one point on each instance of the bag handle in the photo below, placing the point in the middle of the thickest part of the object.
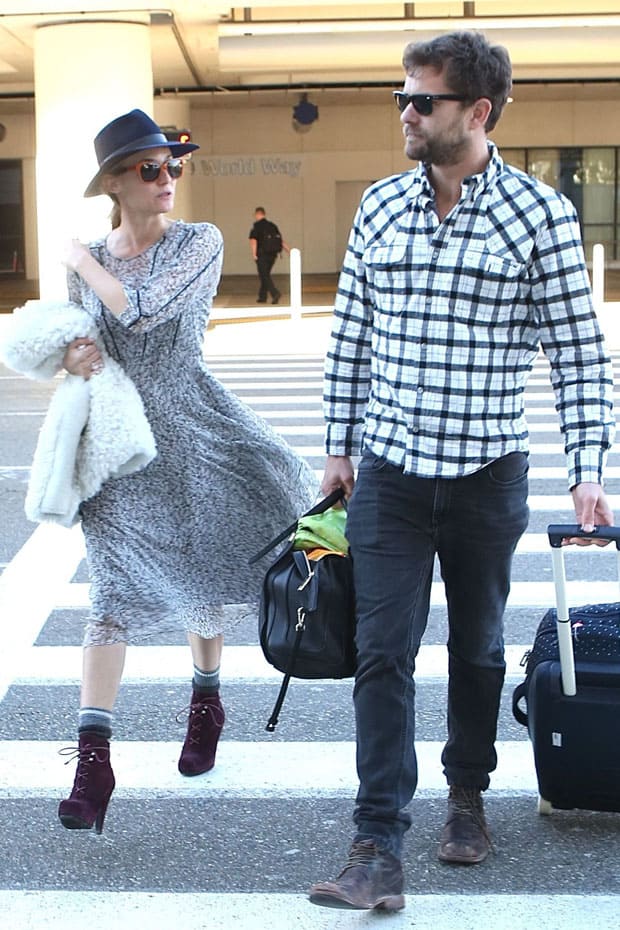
(559, 531)
(519, 692)
(321, 507)
(277, 707)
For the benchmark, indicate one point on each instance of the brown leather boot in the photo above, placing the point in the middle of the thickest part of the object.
(371, 878)
(465, 837)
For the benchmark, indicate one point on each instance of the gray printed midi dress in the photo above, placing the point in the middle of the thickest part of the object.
(168, 546)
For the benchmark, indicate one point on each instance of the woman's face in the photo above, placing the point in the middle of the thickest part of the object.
(145, 182)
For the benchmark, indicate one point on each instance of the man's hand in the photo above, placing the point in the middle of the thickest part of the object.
(82, 357)
(592, 509)
(339, 473)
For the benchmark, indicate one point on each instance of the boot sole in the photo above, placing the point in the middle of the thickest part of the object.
(75, 823)
(192, 774)
(389, 903)
(462, 860)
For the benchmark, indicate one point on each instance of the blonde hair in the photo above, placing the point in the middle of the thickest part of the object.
(115, 212)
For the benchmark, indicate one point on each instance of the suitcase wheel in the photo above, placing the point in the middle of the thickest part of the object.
(544, 807)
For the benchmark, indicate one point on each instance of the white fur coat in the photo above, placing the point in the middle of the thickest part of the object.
(94, 430)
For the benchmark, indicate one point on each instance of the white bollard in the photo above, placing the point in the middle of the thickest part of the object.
(607, 313)
(295, 283)
(598, 275)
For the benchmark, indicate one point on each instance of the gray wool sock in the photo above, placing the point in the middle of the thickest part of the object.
(206, 682)
(95, 720)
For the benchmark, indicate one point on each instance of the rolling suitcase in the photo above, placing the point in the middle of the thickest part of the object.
(572, 695)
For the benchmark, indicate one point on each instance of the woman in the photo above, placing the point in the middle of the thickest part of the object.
(168, 546)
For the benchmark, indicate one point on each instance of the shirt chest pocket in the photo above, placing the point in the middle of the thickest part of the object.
(488, 288)
(388, 274)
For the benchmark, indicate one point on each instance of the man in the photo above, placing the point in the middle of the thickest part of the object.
(455, 274)
(266, 243)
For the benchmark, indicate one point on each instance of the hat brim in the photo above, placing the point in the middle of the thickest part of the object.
(176, 148)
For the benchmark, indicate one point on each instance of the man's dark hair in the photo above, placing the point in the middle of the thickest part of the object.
(471, 67)
(259, 209)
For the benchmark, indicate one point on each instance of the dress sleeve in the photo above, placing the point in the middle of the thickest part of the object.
(184, 268)
(73, 287)
(80, 293)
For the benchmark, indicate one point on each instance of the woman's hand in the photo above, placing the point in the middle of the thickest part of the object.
(82, 357)
(78, 258)
(74, 254)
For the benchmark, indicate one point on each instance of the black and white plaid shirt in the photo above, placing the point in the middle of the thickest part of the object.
(437, 325)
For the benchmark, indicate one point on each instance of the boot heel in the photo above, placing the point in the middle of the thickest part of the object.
(101, 815)
(394, 902)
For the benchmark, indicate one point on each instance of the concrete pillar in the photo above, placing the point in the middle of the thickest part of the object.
(86, 73)
(173, 111)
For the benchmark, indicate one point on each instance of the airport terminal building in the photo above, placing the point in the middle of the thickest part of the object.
(292, 109)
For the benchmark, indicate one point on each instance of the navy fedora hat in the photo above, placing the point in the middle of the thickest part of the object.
(129, 133)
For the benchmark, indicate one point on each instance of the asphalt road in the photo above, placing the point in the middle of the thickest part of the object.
(240, 845)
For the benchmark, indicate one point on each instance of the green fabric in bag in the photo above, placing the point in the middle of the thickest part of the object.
(323, 531)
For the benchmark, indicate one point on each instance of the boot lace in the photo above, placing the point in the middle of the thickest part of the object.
(361, 853)
(203, 717)
(468, 803)
(85, 758)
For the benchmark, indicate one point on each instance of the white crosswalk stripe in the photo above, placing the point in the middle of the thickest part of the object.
(48, 665)
(157, 911)
(301, 773)
(244, 770)
(522, 593)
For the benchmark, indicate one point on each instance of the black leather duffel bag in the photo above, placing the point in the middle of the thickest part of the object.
(306, 621)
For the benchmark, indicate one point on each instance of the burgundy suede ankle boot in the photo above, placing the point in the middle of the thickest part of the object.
(93, 785)
(206, 719)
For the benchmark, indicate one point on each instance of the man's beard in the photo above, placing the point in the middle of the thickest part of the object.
(437, 151)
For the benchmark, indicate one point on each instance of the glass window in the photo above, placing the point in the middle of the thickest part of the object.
(589, 177)
(593, 233)
(544, 164)
(11, 219)
(599, 181)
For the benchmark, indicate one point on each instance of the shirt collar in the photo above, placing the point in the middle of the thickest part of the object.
(422, 188)
(476, 183)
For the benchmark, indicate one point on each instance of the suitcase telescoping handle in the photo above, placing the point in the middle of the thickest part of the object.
(557, 532)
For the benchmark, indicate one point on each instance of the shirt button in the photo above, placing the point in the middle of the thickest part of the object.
(420, 390)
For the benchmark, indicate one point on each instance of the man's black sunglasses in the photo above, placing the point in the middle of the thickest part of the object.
(422, 103)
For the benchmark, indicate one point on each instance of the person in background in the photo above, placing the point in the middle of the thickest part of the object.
(266, 244)
(166, 546)
(456, 273)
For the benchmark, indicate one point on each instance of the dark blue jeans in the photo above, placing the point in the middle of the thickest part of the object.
(396, 524)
